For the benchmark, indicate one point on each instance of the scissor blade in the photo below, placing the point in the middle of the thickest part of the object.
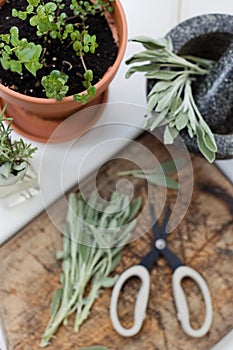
(165, 220)
(149, 260)
(159, 232)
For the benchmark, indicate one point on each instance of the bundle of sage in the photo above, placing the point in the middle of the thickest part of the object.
(96, 232)
(171, 96)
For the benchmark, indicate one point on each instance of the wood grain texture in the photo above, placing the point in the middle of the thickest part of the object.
(29, 272)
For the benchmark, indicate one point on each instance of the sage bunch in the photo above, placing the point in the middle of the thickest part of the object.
(95, 235)
(171, 96)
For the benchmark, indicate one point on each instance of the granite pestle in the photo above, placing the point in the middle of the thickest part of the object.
(214, 95)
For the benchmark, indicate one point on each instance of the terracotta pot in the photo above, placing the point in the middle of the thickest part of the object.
(37, 118)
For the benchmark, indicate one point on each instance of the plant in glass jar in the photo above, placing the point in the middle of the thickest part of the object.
(14, 154)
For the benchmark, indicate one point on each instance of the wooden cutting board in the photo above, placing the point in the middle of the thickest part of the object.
(29, 272)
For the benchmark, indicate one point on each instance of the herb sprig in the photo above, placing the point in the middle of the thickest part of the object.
(171, 96)
(92, 247)
(159, 176)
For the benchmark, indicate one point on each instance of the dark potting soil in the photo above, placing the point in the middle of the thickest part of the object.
(58, 55)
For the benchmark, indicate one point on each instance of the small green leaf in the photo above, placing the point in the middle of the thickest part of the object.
(34, 3)
(77, 97)
(208, 136)
(149, 43)
(151, 67)
(56, 300)
(162, 75)
(33, 67)
(14, 13)
(77, 45)
(86, 48)
(30, 9)
(92, 48)
(14, 31)
(69, 28)
(210, 143)
(176, 105)
(160, 86)
(53, 34)
(143, 57)
(84, 98)
(158, 119)
(169, 135)
(6, 38)
(88, 75)
(207, 153)
(91, 91)
(51, 6)
(165, 101)
(152, 101)
(34, 21)
(15, 66)
(26, 54)
(181, 120)
(5, 63)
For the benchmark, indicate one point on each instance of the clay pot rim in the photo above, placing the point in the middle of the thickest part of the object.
(106, 76)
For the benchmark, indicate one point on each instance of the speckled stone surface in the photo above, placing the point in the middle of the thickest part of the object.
(211, 36)
(214, 96)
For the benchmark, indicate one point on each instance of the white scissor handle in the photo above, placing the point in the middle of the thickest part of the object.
(140, 304)
(181, 302)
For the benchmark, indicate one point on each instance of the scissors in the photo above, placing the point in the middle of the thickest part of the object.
(142, 271)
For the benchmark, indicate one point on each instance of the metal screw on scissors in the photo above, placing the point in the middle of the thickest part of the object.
(142, 271)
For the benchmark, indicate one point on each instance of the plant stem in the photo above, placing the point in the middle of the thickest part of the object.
(83, 314)
(83, 62)
(185, 63)
(193, 103)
